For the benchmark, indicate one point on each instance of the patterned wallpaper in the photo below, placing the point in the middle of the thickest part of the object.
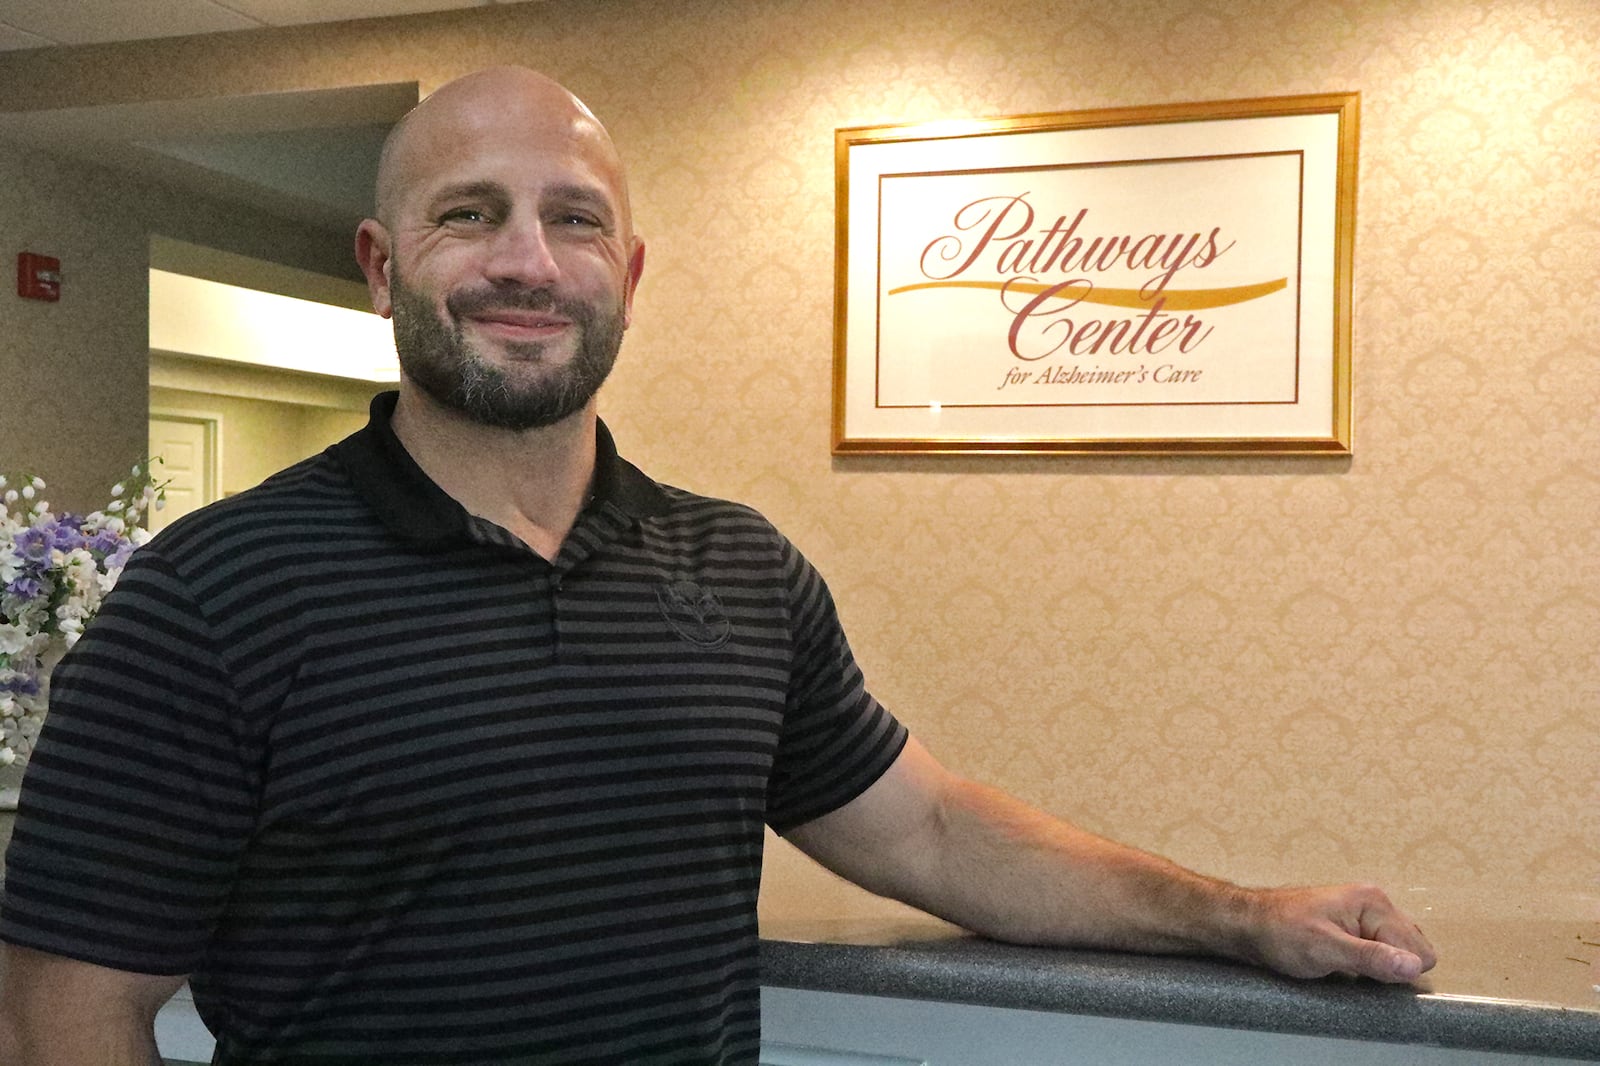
(1382, 666)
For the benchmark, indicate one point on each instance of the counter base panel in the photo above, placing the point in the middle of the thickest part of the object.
(842, 1029)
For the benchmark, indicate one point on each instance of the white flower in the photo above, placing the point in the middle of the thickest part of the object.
(81, 568)
(27, 492)
(14, 640)
(33, 615)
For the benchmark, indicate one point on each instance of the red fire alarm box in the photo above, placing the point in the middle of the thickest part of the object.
(38, 277)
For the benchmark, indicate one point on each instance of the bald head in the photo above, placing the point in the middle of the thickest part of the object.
(496, 102)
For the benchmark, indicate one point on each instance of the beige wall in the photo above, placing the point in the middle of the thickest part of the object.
(1380, 667)
(68, 366)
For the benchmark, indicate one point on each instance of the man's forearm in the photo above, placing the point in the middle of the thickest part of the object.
(1004, 869)
(990, 863)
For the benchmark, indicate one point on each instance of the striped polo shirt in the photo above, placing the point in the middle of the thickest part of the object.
(392, 788)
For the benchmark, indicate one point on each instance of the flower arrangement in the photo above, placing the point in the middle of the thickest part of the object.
(54, 571)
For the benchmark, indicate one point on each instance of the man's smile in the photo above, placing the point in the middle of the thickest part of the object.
(513, 324)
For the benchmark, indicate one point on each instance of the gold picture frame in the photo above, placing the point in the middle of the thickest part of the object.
(1164, 279)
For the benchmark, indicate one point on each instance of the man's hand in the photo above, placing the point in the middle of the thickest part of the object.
(1350, 929)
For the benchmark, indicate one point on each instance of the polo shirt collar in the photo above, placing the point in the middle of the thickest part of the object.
(413, 506)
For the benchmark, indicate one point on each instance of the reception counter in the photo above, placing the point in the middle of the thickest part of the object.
(1507, 989)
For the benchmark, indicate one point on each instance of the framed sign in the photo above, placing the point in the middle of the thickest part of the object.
(1155, 279)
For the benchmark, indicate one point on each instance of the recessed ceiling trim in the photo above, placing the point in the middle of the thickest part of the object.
(326, 143)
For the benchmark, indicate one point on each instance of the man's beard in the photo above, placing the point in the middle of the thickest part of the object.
(440, 360)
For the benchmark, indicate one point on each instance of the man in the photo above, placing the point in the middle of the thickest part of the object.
(454, 744)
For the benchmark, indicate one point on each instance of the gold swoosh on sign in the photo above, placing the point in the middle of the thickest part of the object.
(1175, 299)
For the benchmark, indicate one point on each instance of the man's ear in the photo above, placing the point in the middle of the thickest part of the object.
(372, 252)
(635, 272)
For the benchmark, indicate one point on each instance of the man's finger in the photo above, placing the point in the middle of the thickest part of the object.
(1389, 925)
(1382, 962)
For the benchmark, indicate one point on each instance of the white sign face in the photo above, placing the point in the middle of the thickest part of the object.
(1169, 281)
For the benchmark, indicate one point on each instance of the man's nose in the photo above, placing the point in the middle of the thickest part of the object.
(519, 253)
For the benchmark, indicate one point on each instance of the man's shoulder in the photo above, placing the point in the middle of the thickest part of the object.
(311, 500)
(683, 502)
(725, 537)
(713, 516)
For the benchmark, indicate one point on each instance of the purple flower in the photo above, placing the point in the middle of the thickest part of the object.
(34, 545)
(21, 684)
(67, 536)
(25, 586)
(119, 558)
(105, 542)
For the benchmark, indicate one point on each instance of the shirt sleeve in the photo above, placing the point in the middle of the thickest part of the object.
(138, 797)
(836, 739)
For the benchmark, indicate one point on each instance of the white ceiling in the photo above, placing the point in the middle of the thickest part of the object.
(46, 23)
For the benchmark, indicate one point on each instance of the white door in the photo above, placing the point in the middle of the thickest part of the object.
(187, 447)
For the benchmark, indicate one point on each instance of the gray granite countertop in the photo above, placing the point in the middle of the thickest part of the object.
(1522, 985)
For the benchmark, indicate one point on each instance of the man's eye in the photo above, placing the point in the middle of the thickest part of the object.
(465, 214)
(578, 218)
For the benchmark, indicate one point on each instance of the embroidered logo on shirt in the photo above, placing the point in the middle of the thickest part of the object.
(694, 613)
